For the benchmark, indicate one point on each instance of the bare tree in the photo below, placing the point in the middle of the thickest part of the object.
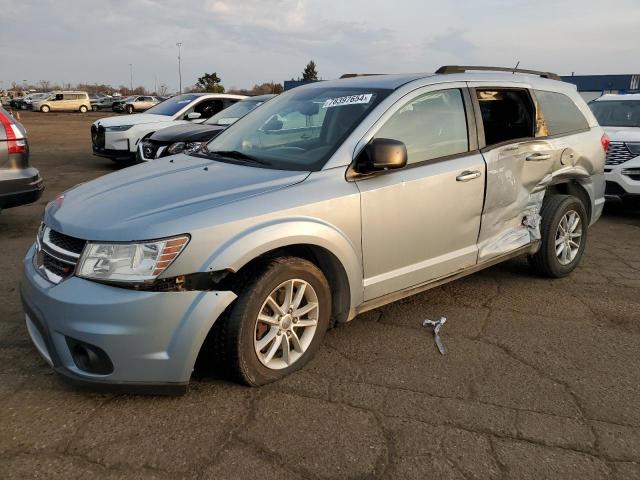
(45, 85)
(163, 90)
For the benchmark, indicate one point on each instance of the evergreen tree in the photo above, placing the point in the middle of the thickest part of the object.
(310, 72)
(210, 82)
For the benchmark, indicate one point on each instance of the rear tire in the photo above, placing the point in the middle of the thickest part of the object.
(563, 228)
(238, 336)
(94, 108)
(83, 109)
(44, 109)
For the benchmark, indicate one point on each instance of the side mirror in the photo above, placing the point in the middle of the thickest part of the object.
(194, 116)
(382, 154)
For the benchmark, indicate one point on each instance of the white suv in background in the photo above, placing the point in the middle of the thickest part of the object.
(117, 138)
(620, 117)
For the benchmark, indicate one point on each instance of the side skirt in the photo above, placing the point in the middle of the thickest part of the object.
(423, 287)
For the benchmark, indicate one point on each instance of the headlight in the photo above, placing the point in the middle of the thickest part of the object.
(634, 147)
(118, 128)
(129, 262)
(184, 147)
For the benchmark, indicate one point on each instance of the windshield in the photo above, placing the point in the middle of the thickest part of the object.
(172, 105)
(617, 113)
(298, 130)
(234, 112)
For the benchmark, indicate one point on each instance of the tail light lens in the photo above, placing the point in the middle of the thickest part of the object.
(605, 142)
(16, 142)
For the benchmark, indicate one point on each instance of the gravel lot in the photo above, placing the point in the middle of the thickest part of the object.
(541, 378)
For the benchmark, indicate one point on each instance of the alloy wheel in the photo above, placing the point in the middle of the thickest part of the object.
(286, 324)
(568, 237)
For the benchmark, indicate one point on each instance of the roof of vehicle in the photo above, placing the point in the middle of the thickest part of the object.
(395, 81)
(69, 91)
(207, 94)
(614, 96)
(261, 98)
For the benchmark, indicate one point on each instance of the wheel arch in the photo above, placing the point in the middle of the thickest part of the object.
(323, 245)
(576, 189)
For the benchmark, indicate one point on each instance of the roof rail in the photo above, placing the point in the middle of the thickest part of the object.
(446, 69)
(352, 75)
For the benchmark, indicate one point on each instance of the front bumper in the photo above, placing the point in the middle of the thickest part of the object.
(623, 179)
(113, 147)
(152, 339)
(20, 187)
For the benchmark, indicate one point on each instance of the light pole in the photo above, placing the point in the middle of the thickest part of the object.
(130, 78)
(179, 45)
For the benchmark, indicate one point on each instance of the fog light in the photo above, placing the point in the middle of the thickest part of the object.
(89, 358)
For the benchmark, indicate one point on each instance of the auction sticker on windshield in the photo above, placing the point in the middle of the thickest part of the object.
(349, 100)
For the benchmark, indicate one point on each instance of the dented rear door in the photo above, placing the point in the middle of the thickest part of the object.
(517, 175)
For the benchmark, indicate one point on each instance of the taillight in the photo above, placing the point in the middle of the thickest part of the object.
(16, 143)
(605, 142)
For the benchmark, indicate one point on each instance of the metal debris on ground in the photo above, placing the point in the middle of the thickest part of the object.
(435, 327)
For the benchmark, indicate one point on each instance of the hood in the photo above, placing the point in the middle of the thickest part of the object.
(623, 134)
(187, 133)
(159, 198)
(135, 119)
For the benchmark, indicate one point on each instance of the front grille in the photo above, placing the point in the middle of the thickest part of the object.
(57, 254)
(97, 136)
(55, 266)
(66, 242)
(618, 153)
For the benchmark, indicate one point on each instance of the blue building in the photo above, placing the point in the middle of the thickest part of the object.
(593, 86)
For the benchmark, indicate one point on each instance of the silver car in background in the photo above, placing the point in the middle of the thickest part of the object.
(20, 183)
(330, 200)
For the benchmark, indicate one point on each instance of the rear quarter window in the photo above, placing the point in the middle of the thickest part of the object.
(559, 114)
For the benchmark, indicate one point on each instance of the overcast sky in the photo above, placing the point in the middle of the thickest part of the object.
(254, 41)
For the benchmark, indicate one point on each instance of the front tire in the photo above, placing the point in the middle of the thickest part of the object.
(45, 109)
(276, 324)
(564, 236)
(129, 109)
(94, 108)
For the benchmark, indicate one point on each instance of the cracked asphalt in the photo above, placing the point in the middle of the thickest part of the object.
(541, 378)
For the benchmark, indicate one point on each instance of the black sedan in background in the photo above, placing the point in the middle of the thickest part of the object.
(189, 137)
(19, 183)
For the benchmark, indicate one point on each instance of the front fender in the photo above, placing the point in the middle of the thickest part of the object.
(259, 239)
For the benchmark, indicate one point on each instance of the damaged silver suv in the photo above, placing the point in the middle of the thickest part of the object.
(329, 200)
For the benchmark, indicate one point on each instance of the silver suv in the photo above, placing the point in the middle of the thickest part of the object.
(329, 200)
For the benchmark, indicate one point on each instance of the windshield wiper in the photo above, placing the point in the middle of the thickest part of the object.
(234, 154)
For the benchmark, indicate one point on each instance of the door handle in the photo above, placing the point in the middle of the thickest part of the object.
(538, 157)
(468, 175)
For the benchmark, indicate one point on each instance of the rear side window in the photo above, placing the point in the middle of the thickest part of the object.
(561, 115)
(432, 125)
(507, 114)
